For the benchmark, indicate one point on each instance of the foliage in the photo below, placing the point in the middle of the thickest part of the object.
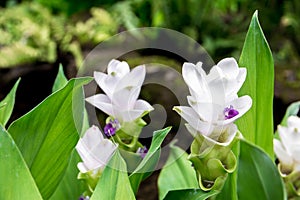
(35, 34)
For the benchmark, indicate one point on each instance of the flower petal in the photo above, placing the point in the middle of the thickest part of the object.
(242, 105)
(196, 81)
(192, 118)
(207, 112)
(117, 68)
(102, 102)
(94, 150)
(294, 121)
(229, 67)
(133, 79)
(143, 105)
(126, 97)
(282, 154)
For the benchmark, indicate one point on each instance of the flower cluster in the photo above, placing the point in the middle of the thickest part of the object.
(213, 107)
(122, 88)
(214, 103)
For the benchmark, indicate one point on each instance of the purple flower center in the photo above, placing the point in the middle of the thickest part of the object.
(230, 112)
(111, 127)
(142, 151)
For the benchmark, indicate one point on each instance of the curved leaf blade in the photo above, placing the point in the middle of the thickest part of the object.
(257, 124)
(148, 164)
(258, 177)
(114, 182)
(7, 104)
(70, 187)
(47, 134)
(16, 181)
(178, 164)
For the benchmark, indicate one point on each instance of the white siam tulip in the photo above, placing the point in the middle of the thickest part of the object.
(287, 149)
(94, 150)
(122, 88)
(214, 103)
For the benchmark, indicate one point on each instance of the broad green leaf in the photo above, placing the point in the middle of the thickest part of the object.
(7, 105)
(258, 177)
(257, 124)
(60, 80)
(114, 182)
(177, 174)
(70, 187)
(16, 181)
(47, 134)
(293, 109)
(190, 194)
(148, 164)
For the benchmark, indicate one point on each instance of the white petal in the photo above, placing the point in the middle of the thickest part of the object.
(130, 115)
(294, 121)
(242, 105)
(117, 68)
(289, 138)
(207, 111)
(133, 79)
(281, 153)
(223, 135)
(196, 82)
(101, 102)
(140, 108)
(229, 67)
(82, 168)
(126, 97)
(241, 78)
(106, 86)
(143, 105)
(192, 118)
(94, 150)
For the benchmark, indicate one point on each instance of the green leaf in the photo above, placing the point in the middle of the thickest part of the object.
(47, 134)
(70, 187)
(114, 182)
(178, 164)
(148, 164)
(190, 194)
(16, 181)
(60, 80)
(258, 177)
(257, 124)
(7, 104)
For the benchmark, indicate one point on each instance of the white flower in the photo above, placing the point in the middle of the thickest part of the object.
(287, 149)
(214, 102)
(94, 150)
(122, 88)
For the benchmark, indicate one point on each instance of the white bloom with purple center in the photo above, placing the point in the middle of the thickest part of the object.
(94, 150)
(214, 103)
(287, 149)
(122, 88)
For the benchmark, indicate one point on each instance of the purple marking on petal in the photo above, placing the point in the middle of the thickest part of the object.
(230, 112)
(111, 127)
(142, 151)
